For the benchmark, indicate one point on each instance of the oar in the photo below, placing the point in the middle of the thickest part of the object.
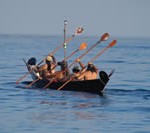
(77, 32)
(32, 83)
(26, 64)
(82, 47)
(104, 37)
(29, 71)
(80, 73)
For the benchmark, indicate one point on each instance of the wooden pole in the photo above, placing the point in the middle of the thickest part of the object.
(65, 27)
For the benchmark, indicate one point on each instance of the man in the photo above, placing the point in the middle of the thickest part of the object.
(47, 69)
(77, 72)
(63, 72)
(89, 74)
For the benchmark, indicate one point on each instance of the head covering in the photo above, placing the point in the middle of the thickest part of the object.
(75, 69)
(90, 64)
(32, 61)
(91, 67)
(49, 58)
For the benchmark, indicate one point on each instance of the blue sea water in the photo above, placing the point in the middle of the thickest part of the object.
(124, 108)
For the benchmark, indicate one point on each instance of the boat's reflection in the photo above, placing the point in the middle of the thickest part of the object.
(83, 107)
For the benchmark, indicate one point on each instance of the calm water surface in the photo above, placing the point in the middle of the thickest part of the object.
(124, 108)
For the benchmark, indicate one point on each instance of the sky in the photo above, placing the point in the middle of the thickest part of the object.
(125, 18)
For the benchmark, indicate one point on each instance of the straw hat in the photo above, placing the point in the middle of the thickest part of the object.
(49, 58)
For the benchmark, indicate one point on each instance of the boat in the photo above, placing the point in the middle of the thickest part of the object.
(95, 86)
(92, 86)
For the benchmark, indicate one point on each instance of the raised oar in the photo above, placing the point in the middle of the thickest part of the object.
(110, 45)
(104, 37)
(29, 71)
(77, 32)
(82, 47)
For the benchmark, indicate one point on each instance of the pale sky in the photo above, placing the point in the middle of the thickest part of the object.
(125, 18)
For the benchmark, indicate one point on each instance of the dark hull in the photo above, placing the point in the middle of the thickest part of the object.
(92, 86)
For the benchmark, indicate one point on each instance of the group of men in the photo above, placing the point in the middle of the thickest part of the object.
(79, 72)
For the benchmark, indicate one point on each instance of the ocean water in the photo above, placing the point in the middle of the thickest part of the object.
(124, 108)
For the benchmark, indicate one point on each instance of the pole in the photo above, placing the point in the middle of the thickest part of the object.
(65, 26)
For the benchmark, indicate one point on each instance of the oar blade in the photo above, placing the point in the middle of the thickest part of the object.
(104, 37)
(83, 46)
(112, 43)
(79, 30)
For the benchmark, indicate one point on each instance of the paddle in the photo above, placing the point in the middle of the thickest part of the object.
(29, 71)
(80, 73)
(104, 37)
(82, 47)
(77, 32)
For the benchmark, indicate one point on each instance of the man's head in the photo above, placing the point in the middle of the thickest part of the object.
(91, 67)
(75, 69)
(48, 59)
(63, 65)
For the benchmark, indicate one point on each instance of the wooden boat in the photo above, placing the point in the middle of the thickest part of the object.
(92, 86)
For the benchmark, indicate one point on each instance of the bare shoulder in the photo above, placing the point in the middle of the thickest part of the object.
(43, 67)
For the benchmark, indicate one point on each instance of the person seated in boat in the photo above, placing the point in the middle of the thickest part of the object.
(77, 72)
(91, 72)
(47, 69)
(31, 65)
(87, 74)
(63, 72)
